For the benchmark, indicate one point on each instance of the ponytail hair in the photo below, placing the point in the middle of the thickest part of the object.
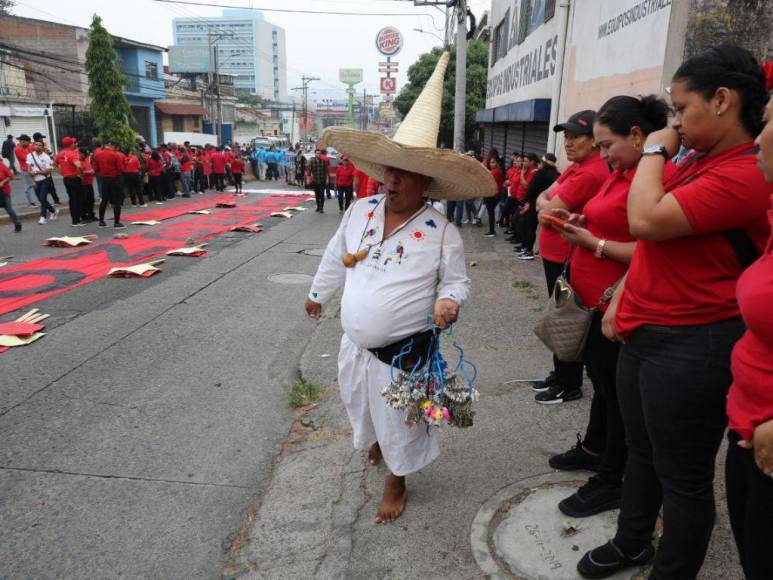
(622, 113)
(735, 68)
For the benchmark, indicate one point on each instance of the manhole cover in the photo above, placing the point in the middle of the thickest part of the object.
(520, 532)
(291, 278)
(314, 252)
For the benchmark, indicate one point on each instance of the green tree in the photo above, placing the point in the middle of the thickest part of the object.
(477, 71)
(109, 107)
(251, 100)
(6, 6)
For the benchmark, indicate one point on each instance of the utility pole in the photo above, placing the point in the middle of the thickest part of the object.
(305, 91)
(216, 114)
(460, 98)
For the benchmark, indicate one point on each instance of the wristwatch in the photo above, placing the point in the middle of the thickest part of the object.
(656, 150)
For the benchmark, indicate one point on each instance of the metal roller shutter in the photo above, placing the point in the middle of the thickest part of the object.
(28, 125)
(536, 138)
(498, 138)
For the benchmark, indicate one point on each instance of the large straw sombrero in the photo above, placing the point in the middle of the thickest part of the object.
(414, 148)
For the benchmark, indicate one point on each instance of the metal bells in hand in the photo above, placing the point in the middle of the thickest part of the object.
(350, 260)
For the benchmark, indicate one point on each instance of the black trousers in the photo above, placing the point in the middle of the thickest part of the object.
(672, 382)
(345, 196)
(491, 206)
(319, 195)
(237, 177)
(167, 184)
(74, 189)
(87, 209)
(112, 193)
(528, 223)
(220, 181)
(156, 187)
(134, 187)
(750, 504)
(605, 434)
(568, 374)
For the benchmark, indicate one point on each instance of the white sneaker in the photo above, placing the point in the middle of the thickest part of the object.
(465, 222)
(42, 221)
(54, 215)
(144, 205)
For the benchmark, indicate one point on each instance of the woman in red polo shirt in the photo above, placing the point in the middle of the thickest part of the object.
(344, 183)
(131, 177)
(749, 464)
(571, 191)
(602, 251)
(677, 310)
(495, 165)
(155, 167)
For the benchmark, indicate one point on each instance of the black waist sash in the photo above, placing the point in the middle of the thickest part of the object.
(418, 353)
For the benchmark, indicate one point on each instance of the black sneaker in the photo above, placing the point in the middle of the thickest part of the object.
(574, 459)
(541, 386)
(608, 559)
(102, 225)
(17, 228)
(526, 255)
(594, 497)
(489, 235)
(119, 226)
(558, 394)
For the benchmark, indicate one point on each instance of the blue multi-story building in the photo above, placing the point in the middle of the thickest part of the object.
(143, 65)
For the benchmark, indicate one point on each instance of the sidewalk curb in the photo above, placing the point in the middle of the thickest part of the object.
(28, 216)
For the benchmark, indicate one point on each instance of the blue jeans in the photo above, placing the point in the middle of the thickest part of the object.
(672, 384)
(42, 189)
(454, 211)
(29, 187)
(9, 209)
(185, 178)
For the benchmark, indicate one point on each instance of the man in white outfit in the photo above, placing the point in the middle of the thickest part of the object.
(401, 266)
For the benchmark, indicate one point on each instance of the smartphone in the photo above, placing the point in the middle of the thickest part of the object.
(555, 221)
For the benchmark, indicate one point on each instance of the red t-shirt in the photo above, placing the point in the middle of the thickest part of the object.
(5, 172)
(88, 171)
(496, 173)
(750, 400)
(108, 162)
(154, 167)
(580, 182)
(691, 280)
(186, 166)
(131, 163)
(362, 183)
(606, 216)
(520, 192)
(514, 176)
(21, 155)
(237, 166)
(218, 162)
(344, 175)
(66, 159)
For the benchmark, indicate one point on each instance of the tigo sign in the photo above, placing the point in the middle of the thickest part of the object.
(389, 41)
(350, 75)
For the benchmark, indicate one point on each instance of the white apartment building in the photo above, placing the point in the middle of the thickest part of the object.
(249, 47)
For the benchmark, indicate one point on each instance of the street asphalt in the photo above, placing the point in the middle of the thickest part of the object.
(149, 434)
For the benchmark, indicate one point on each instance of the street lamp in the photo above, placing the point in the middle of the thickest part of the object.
(430, 33)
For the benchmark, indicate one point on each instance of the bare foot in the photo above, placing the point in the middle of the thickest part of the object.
(374, 454)
(393, 502)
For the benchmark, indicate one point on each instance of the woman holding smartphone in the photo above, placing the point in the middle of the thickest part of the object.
(602, 248)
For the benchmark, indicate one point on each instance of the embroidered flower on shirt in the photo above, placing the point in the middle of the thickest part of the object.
(371, 232)
(431, 223)
(370, 214)
(418, 235)
(373, 201)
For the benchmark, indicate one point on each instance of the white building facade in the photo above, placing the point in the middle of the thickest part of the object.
(249, 47)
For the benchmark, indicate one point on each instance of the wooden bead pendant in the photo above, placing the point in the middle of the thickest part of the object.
(349, 260)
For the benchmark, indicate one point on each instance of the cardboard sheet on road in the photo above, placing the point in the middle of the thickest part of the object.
(36, 280)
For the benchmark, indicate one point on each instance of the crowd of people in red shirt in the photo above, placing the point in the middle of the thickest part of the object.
(154, 175)
(664, 233)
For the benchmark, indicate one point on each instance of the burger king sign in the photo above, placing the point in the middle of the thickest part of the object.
(389, 41)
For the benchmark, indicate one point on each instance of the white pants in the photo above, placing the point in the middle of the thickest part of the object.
(362, 377)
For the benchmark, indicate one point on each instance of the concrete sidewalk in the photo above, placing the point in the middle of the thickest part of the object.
(315, 517)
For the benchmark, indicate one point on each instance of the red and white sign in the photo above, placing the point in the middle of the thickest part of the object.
(388, 64)
(389, 41)
(387, 70)
(388, 85)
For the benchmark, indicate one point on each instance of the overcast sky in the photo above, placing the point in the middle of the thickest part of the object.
(317, 45)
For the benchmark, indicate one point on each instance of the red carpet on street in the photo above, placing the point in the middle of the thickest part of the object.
(169, 211)
(36, 280)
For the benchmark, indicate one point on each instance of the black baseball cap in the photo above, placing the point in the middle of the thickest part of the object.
(38, 136)
(24, 137)
(580, 123)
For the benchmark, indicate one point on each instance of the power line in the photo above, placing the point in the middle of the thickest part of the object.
(288, 10)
